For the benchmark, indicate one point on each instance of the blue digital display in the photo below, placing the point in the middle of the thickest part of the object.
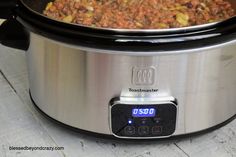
(143, 112)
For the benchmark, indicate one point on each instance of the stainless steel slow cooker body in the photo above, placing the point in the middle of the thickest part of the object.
(75, 85)
(94, 80)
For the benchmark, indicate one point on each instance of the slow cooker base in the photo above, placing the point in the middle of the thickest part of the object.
(99, 135)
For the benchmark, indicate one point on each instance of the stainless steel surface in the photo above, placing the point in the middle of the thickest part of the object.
(38, 6)
(144, 53)
(143, 101)
(75, 86)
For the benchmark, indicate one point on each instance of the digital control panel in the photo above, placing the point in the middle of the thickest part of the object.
(143, 120)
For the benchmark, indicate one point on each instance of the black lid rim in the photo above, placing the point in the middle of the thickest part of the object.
(70, 34)
(36, 9)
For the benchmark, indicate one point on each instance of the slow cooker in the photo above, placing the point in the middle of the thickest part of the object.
(132, 84)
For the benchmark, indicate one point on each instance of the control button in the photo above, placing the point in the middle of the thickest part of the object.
(129, 130)
(143, 130)
(156, 130)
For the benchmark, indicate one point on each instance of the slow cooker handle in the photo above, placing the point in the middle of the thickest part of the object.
(13, 34)
(6, 8)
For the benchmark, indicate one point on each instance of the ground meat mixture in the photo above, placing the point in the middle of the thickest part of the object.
(139, 14)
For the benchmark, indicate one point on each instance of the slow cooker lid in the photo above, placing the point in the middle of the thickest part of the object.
(37, 7)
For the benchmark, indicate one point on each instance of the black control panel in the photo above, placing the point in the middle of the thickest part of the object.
(154, 120)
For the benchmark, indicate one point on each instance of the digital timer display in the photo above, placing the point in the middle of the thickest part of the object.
(143, 112)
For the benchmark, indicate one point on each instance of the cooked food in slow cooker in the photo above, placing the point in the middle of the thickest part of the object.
(139, 14)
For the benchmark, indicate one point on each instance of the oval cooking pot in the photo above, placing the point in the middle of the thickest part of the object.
(80, 75)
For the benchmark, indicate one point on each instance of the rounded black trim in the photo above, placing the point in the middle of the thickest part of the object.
(99, 39)
(13, 34)
(37, 6)
(6, 8)
(105, 136)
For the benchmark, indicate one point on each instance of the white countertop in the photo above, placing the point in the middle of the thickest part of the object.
(22, 125)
